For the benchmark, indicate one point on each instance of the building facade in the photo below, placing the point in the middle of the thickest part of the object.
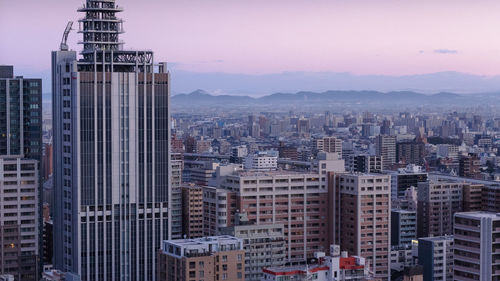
(435, 254)
(111, 124)
(385, 146)
(438, 201)
(403, 227)
(361, 218)
(211, 258)
(476, 246)
(19, 224)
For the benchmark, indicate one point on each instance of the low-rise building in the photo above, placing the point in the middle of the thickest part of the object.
(211, 259)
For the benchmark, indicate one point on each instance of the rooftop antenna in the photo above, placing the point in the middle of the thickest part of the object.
(64, 46)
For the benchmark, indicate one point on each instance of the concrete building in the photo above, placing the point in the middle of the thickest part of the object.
(176, 164)
(192, 211)
(336, 267)
(366, 164)
(19, 224)
(403, 227)
(385, 146)
(264, 246)
(361, 218)
(404, 178)
(21, 136)
(476, 246)
(263, 160)
(211, 259)
(472, 197)
(111, 124)
(469, 166)
(327, 144)
(403, 257)
(219, 209)
(410, 152)
(298, 200)
(438, 201)
(435, 254)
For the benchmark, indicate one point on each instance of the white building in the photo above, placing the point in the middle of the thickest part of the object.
(264, 160)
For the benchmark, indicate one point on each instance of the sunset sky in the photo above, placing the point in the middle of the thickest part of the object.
(381, 37)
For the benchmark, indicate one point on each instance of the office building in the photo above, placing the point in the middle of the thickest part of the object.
(19, 224)
(263, 160)
(438, 201)
(192, 211)
(211, 258)
(111, 124)
(264, 245)
(385, 146)
(476, 246)
(403, 227)
(361, 218)
(435, 254)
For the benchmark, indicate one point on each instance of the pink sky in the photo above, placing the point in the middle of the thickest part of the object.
(269, 36)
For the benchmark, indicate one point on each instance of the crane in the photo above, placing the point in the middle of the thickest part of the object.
(64, 46)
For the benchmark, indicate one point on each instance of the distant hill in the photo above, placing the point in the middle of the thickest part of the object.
(201, 98)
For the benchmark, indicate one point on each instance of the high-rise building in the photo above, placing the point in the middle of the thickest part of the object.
(20, 115)
(476, 246)
(19, 224)
(211, 258)
(410, 152)
(361, 218)
(403, 227)
(177, 164)
(192, 211)
(385, 146)
(21, 132)
(111, 123)
(435, 254)
(438, 201)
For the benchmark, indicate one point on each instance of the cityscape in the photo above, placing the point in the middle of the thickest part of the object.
(111, 171)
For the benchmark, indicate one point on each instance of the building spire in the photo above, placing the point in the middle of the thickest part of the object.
(100, 27)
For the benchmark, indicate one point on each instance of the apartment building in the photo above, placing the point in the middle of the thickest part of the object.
(435, 254)
(211, 258)
(438, 201)
(361, 218)
(476, 246)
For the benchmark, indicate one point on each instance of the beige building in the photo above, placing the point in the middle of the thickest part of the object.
(192, 211)
(328, 144)
(360, 218)
(19, 228)
(209, 259)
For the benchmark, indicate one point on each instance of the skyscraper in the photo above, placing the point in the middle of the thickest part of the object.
(20, 179)
(111, 153)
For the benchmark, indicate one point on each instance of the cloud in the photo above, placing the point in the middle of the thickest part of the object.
(445, 51)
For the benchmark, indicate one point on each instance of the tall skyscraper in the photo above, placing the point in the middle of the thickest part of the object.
(111, 153)
(20, 148)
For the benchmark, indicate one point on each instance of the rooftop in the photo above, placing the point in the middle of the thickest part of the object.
(479, 215)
